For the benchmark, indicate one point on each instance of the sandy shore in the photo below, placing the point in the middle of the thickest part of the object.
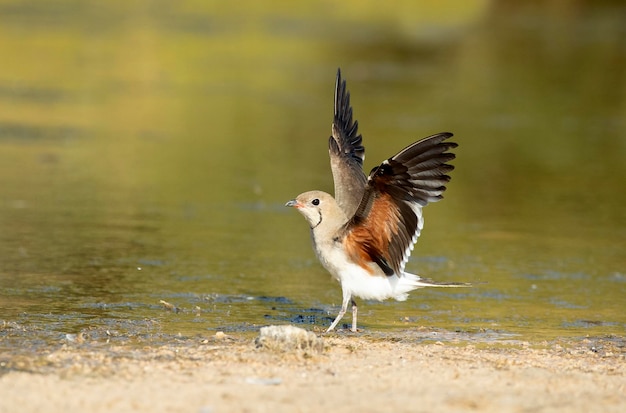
(352, 373)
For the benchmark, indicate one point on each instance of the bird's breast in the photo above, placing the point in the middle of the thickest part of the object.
(336, 259)
(332, 256)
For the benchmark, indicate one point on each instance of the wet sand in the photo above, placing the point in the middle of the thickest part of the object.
(351, 372)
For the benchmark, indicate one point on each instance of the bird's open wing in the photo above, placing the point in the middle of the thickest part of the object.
(346, 152)
(389, 220)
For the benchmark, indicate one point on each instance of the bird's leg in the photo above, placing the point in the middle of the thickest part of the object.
(354, 311)
(342, 312)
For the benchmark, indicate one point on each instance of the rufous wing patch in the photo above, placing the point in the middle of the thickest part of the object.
(368, 241)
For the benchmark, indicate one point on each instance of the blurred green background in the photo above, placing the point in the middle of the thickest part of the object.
(147, 149)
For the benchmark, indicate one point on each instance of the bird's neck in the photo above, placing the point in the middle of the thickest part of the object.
(328, 226)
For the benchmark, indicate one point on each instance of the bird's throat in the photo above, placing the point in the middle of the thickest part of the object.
(318, 222)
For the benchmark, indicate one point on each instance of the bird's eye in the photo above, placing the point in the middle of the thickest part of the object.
(315, 201)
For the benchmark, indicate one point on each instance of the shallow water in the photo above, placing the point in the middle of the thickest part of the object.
(146, 153)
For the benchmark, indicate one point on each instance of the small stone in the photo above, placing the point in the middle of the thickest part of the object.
(169, 306)
(274, 381)
(289, 338)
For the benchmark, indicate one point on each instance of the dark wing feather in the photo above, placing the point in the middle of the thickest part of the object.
(388, 220)
(346, 152)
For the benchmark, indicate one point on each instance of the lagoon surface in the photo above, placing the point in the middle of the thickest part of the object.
(147, 150)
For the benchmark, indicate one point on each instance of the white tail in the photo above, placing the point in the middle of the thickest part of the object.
(409, 282)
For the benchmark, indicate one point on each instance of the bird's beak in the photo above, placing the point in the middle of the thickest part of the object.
(293, 203)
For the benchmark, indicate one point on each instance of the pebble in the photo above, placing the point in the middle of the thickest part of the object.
(289, 338)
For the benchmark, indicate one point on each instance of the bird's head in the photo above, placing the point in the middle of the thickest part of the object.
(317, 207)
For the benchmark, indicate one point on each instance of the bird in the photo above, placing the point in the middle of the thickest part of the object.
(364, 235)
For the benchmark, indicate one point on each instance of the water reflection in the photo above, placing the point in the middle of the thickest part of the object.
(146, 153)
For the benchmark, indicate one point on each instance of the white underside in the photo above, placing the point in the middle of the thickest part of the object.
(359, 283)
(356, 281)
